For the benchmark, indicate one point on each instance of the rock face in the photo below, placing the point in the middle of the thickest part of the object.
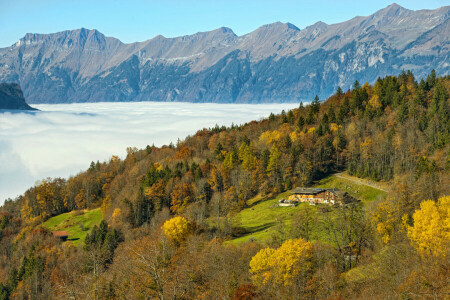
(11, 97)
(276, 62)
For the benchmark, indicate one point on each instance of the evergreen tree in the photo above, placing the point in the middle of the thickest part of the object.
(300, 122)
(290, 117)
(271, 117)
(431, 79)
(331, 114)
(315, 105)
(339, 92)
(283, 117)
(265, 158)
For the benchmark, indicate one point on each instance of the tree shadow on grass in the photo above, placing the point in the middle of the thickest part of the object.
(241, 231)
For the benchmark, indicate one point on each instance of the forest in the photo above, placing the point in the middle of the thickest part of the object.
(168, 212)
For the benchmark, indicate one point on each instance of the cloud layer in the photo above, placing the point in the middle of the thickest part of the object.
(62, 140)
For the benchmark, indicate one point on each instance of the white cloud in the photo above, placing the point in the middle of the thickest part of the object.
(62, 140)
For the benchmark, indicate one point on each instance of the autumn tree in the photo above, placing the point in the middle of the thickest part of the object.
(430, 233)
(290, 263)
(261, 266)
(145, 267)
(156, 194)
(385, 220)
(181, 196)
(176, 229)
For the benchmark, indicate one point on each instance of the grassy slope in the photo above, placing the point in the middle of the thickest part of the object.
(359, 191)
(78, 225)
(260, 219)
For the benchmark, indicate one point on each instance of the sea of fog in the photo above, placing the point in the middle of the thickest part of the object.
(62, 139)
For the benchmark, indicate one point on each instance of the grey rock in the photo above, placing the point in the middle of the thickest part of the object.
(276, 62)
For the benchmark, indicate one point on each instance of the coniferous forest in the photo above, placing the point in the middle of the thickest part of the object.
(168, 213)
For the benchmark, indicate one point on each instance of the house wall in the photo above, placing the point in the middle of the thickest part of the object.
(325, 197)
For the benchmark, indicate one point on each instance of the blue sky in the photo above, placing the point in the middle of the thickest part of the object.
(139, 20)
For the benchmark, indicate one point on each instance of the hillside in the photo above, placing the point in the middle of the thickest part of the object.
(76, 223)
(11, 97)
(275, 62)
(170, 213)
(265, 222)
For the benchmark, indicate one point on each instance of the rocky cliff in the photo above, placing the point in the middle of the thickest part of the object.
(11, 97)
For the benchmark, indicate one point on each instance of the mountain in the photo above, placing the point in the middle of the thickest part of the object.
(201, 219)
(11, 97)
(276, 62)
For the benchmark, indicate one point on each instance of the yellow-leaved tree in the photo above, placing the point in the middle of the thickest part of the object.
(176, 229)
(116, 216)
(261, 266)
(281, 266)
(384, 218)
(431, 231)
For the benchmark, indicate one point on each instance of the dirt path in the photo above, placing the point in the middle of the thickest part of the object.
(357, 180)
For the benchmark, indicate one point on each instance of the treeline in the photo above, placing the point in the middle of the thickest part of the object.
(396, 130)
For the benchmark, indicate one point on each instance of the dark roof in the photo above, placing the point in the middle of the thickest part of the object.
(60, 233)
(307, 191)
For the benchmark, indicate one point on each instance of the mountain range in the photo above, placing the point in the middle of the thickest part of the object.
(275, 63)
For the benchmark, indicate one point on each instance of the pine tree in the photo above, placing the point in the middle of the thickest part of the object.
(315, 105)
(300, 122)
(339, 92)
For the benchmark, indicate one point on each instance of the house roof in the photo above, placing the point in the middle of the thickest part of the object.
(313, 191)
(60, 233)
(307, 191)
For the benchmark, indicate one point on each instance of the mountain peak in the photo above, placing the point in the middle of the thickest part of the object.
(87, 32)
(394, 6)
(280, 25)
(80, 32)
(224, 30)
(318, 25)
(220, 32)
(392, 10)
(276, 28)
(292, 26)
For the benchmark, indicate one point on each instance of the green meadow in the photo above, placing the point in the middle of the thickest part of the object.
(264, 218)
(76, 223)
